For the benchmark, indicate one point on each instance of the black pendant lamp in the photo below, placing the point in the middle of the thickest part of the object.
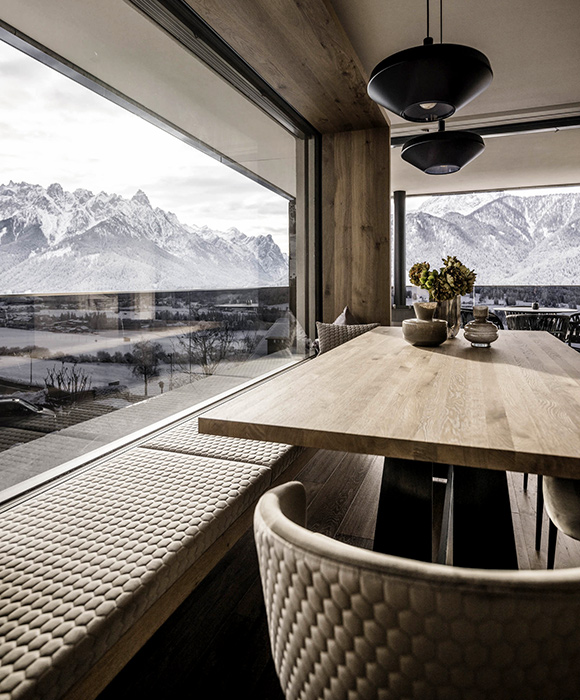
(430, 82)
(442, 152)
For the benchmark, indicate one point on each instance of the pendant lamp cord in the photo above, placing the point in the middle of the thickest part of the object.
(441, 20)
(427, 17)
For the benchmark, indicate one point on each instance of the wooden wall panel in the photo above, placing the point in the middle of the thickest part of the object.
(355, 225)
(301, 49)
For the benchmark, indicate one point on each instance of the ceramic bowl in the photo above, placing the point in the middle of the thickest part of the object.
(425, 333)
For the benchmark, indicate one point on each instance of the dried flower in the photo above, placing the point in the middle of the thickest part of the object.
(452, 279)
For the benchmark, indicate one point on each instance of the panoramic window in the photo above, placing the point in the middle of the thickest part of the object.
(524, 245)
(133, 267)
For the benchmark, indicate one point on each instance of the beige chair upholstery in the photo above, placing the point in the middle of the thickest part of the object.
(349, 623)
(331, 335)
(562, 500)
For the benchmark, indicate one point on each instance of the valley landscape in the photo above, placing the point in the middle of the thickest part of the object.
(106, 301)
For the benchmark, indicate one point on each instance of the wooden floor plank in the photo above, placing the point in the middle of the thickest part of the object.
(319, 469)
(328, 509)
(312, 489)
(567, 551)
(360, 518)
(521, 547)
(245, 662)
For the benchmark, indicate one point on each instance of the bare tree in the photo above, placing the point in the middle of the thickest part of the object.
(72, 380)
(145, 360)
(250, 341)
(206, 347)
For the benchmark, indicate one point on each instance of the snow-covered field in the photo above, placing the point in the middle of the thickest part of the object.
(18, 369)
(23, 369)
(76, 343)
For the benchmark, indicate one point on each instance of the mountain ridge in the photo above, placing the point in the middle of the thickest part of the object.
(507, 238)
(53, 240)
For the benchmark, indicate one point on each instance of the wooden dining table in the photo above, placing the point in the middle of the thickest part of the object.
(484, 411)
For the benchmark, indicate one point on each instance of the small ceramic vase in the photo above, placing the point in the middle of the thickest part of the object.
(424, 330)
(480, 332)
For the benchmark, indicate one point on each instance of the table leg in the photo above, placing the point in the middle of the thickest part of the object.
(539, 510)
(483, 534)
(404, 519)
(445, 547)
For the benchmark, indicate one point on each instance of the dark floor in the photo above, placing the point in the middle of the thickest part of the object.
(216, 644)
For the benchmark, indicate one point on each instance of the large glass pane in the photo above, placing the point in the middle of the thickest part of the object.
(114, 43)
(523, 244)
(136, 271)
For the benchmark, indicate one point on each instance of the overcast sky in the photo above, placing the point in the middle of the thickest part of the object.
(54, 130)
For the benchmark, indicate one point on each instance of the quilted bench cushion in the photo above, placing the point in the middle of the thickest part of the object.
(83, 559)
(186, 438)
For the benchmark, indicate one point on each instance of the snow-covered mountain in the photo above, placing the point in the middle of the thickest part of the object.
(53, 241)
(506, 238)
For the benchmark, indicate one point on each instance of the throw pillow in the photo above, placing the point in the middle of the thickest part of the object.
(346, 318)
(331, 335)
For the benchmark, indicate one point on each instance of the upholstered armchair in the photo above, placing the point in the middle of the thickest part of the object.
(349, 623)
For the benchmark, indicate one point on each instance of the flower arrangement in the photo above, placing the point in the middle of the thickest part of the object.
(452, 279)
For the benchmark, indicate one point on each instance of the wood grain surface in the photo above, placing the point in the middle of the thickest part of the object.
(514, 406)
(302, 51)
(355, 225)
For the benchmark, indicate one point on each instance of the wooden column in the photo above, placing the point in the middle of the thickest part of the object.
(355, 225)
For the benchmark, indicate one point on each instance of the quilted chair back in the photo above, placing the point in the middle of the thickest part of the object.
(349, 623)
(556, 324)
(573, 335)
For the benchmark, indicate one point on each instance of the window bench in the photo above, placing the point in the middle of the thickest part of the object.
(94, 562)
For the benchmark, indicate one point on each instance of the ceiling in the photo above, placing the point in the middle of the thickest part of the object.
(319, 54)
(534, 51)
